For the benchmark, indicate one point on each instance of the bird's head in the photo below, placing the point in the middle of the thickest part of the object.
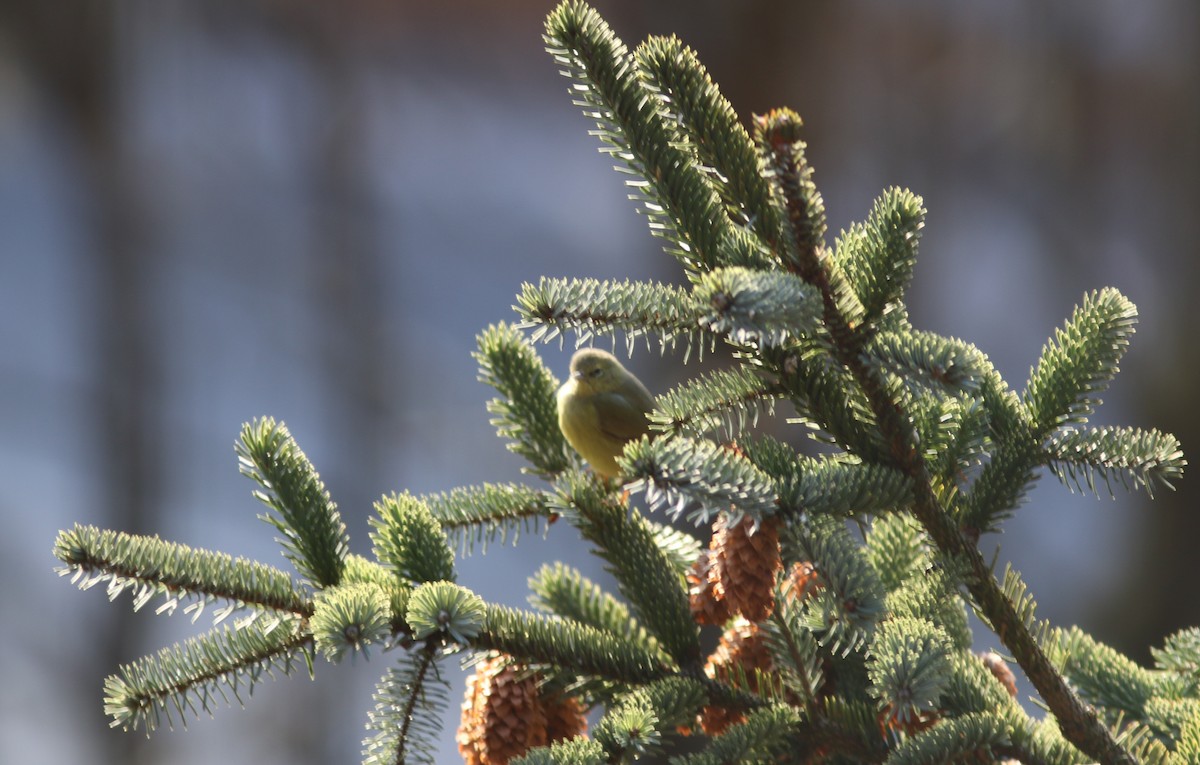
(596, 371)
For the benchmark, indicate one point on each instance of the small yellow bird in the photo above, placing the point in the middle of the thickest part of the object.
(601, 408)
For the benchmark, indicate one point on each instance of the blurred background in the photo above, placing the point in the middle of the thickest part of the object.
(219, 210)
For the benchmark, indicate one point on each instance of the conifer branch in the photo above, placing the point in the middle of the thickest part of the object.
(1103, 676)
(350, 618)
(925, 361)
(732, 398)
(679, 198)
(410, 702)
(590, 308)
(933, 595)
(795, 651)
(878, 256)
(566, 592)
(862, 653)
(446, 611)
(697, 478)
(759, 739)
(483, 514)
(674, 700)
(1009, 473)
(972, 688)
(830, 485)
(1080, 725)
(1180, 655)
(712, 127)
(535, 639)
(525, 413)
(777, 136)
(680, 548)
(410, 540)
(575, 751)
(630, 731)
(151, 567)
(826, 395)
(1135, 457)
(954, 434)
(1079, 362)
(221, 663)
(757, 307)
(359, 570)
(645, 575)
(847, 608)
(897, 548)
(314, 537)
(909, 667)
(969, 738)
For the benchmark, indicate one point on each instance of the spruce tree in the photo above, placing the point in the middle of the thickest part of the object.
(840, 584)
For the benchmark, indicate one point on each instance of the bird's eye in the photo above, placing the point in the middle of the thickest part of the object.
(595, 372)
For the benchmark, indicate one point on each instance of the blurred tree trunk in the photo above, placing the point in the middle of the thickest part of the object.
(75, 55)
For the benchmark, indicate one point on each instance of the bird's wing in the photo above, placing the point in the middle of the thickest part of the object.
(620, 418)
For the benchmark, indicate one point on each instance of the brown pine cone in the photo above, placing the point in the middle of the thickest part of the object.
(744, 565)
(565, 718)
(502, 714)
(706, 607)
(742, 653)
(802, 583)
(999, 667)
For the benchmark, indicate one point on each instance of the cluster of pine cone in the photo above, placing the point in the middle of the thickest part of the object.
(731, 584)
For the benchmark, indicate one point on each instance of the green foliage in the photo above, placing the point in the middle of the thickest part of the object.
(631, 730)
(909, 667)
(1180, 656)
(576, 751)
(1137, 458)
(590, 308)
(1103, 676)
(445, 610)
(777, 137)
(149, 568)
(697, 478)
(1078, 363)
(971, 688)
(680, 548)
(635, 557)
(865, 653)
(897, 548)
(568, 593)
(967, 739)
(757, 307)
(732, 398)
(314, 537)
(410, 702)
(797, 657)
(179, 682)
(762, 737)
(878, 255)
(1188, 748)
(533, 638)
(851, 602)
(932, 595)
(482, 514)
(707, 121)
(349, 618)
(678, 197)
(409, 539)
(525, 413)
(359, 570)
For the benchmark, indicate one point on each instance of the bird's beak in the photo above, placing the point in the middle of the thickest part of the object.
(577, 376)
